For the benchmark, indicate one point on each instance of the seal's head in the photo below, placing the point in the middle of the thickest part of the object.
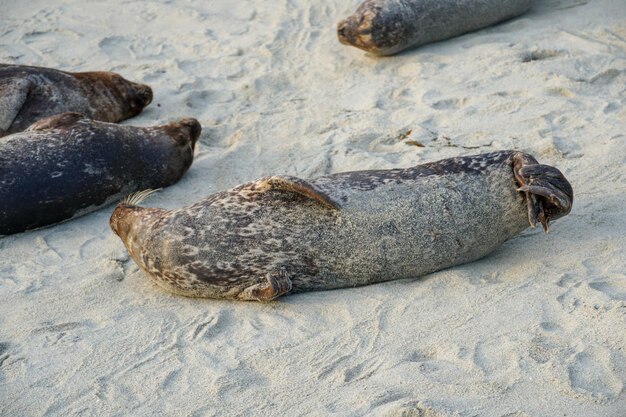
(128, 216)
(356, 30)
(125, 98)
(184, 134)
(374, 30)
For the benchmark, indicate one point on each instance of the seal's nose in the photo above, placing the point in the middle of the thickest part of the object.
(184, 131)
(342, 32)
(194, 128)
(144, 93)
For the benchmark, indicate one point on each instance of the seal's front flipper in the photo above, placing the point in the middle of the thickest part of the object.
(549, 194)
(13, 94)
(299, 186)
(56, 121)
(277, 284)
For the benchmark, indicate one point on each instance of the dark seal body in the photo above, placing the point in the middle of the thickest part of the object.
(386, 27)
(281, 234)
(67, 165)
(28, 94)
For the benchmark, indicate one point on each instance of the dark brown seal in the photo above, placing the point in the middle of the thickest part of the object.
(28, 94)
(67, 165)
(280, 234)
(386, 27)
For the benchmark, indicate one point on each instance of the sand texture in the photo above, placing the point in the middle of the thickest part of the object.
(536, 329)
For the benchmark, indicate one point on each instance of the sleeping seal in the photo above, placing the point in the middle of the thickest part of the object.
(386, 27)
(28, 94)
(283, 234)
(67, 165)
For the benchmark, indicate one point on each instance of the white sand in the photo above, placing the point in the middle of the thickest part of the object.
(536, 329)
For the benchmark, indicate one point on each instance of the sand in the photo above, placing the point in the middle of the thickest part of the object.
(536, 329)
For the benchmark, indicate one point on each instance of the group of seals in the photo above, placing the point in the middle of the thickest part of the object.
(386, 27)
(279, 234)
(283, 234)
(70, 160)
(29, 93)
(67, 165)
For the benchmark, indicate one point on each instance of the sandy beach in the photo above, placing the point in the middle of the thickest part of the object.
(536, 329)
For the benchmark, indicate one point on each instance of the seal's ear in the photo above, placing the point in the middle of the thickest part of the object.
(296, 185)
(56, 121)
(13, 94)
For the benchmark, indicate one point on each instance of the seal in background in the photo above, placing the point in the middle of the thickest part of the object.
(68, 165)
(386, 27)
(28, 94)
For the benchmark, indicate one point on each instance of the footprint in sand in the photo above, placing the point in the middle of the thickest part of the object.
(207, 325)
(542, 349)
(416, 410)
(116, 47)
(200, 99)
(499, 359)
(450, 103)
(363, 370)
(591, 373)
(615, 290)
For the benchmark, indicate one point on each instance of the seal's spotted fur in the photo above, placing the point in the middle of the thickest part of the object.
(28, 94)
(67, 165)
(281, 234)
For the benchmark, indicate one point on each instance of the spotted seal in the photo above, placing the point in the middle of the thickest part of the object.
(386, 27)
(67, 165)
(28, 94)
(284, 234)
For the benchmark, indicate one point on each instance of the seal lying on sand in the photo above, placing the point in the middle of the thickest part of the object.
(386, 27)
(28, 94)
(280, 234)
(67, 165)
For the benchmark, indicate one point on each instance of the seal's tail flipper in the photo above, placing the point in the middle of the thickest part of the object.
(56, 121)
(298, 186)
(549, 195)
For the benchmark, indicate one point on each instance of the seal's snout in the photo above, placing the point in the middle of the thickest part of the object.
(349, 32)
(144, 93)
(118, 222)
(343, 32)
(356, 31)
(194, 128)
(185, 131)
(141, 95)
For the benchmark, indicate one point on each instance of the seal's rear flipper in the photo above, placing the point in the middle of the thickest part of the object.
(56, 121)
(13, 94)
(277, 284)
(548, 193)
(298, 186)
